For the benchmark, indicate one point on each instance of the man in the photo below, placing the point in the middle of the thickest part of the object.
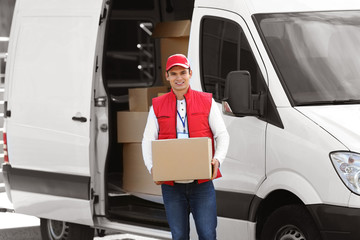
(185, 113)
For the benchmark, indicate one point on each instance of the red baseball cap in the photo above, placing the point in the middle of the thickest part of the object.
(177, 60)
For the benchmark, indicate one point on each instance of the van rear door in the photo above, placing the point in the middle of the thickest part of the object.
(49, 82)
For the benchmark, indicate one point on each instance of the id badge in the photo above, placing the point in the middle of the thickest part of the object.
(182, 135)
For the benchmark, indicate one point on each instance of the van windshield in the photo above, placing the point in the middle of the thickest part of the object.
(316, 55)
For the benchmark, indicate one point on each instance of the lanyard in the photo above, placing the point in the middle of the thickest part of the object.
(183, 122)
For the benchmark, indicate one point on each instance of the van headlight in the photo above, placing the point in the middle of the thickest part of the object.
(347, 165)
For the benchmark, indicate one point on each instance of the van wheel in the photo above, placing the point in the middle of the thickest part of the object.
(58, 230)
(292, 222)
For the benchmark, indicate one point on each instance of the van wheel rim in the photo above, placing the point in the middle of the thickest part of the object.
(289, 232)
(57, 230)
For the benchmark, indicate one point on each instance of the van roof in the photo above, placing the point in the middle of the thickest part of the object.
(277, 6)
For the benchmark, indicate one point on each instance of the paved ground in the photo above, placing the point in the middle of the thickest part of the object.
(28, 233)
(15, 226)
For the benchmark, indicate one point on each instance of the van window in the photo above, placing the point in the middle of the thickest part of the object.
(224, 48)
(315, 54)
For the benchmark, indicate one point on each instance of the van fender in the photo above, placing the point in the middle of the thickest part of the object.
(292, 182)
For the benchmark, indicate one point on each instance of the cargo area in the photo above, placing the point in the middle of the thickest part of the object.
(140, 35)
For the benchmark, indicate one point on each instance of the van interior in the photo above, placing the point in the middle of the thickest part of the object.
(132, 59)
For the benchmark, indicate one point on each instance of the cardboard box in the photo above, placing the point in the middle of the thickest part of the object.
(182, 159)
(130, 126)
(174, 38)
(136, 178)
(140, 99)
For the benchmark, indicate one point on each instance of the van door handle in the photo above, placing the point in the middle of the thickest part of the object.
(80, 119)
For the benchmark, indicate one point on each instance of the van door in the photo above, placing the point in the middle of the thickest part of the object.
(226, 45)
(49, 101)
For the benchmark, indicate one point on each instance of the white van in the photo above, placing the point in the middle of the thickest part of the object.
(287, 73)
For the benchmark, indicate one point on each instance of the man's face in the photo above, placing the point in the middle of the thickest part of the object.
(179, 78)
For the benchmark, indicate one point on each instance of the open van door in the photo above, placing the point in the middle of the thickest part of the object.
(49, 95)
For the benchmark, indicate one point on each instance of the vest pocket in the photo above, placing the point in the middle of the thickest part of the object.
(163, 117)
(199, 114)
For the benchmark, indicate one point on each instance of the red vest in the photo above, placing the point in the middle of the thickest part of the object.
(198, 105)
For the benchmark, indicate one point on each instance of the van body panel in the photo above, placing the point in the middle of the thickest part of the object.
(44, 100)
(307, 155)
(249, 143)
(50, 97)
(294, 183)
(53, 207)
(341, 121)
(354, 201)
(32, 157)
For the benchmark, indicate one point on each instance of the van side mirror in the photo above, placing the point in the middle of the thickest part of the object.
(238, 99)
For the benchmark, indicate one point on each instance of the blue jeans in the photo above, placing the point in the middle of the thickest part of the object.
(200, 200)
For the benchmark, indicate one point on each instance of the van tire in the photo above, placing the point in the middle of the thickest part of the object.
(292, 222)
(58, 230)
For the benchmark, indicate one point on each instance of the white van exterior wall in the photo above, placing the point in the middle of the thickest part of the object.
(303, 180)
(300, 167)
(289, 158)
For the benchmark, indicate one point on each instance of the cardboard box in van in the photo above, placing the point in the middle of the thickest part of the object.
(174, 38)
(140, 99)
(130, 126)
(182, 159)
(137, 178)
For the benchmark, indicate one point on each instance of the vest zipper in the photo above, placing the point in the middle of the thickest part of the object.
(186, 114)
(176, 118)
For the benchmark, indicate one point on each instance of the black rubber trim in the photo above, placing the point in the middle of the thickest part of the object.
(240, 206)
(335, 222)
(56, 184)
(233, 205)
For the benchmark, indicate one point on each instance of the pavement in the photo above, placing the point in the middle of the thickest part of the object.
(14, 226)
(5, 204)
(2, 184)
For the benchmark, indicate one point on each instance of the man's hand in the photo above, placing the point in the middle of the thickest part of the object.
(157, 182)
(215, 165)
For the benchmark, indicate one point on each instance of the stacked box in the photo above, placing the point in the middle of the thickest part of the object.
(174, 38)
(136, 178)
(140, 99)
(131, 126)
(130, 130)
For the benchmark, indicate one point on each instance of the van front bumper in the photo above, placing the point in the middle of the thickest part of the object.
(6, 170)
(336, 222)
